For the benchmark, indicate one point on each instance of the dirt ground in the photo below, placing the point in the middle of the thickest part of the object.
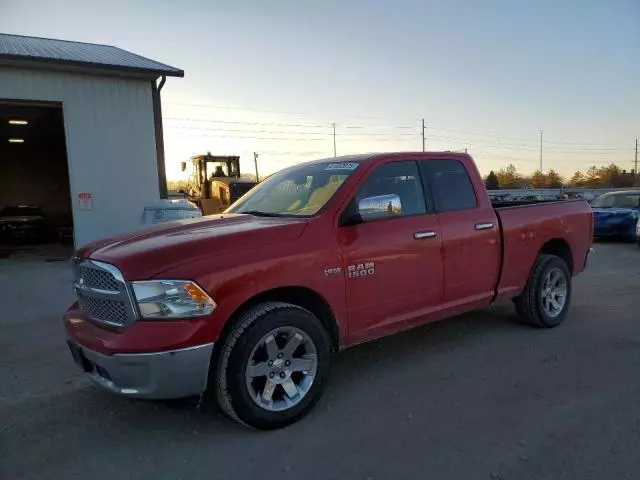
(478, 396)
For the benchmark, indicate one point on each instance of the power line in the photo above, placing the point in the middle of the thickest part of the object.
(227, 107)
(515, 158)
(233, 122)
(279, 112)
(526, 147)
(501, 144)
(377, 140)
(186, 127)
(398, 127)
(401, 127)
(183, 127)
(258, 138)
(379, 134)
(521, 139)
(370, 140)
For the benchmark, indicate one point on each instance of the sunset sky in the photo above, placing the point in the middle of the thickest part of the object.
(273, 77)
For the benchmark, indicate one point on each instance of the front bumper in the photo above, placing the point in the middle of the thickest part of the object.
(157, 375)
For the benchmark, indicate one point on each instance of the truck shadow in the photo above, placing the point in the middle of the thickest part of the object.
(353, 371)
(359, 362)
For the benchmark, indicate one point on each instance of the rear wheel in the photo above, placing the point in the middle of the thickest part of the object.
(545, 300)
(273, 366)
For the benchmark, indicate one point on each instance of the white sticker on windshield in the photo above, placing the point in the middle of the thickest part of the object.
(342, 166)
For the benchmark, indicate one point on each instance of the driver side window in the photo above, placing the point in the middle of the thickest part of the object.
(397, 178)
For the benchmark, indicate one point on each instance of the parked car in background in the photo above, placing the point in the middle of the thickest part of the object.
(248, 306)
(616, 215)
(22, 224)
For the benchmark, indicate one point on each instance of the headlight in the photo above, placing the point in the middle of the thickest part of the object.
(172, 299)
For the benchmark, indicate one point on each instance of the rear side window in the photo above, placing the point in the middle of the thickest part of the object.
(452, 187)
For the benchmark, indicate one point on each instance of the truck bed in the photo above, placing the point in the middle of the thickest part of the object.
(527, 228)
(522, 203)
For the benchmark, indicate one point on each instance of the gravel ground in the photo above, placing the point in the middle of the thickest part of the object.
(475, 397)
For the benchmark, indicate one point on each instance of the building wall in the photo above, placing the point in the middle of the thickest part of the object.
(110, 143)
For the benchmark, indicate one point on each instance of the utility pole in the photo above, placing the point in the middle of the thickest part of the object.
(334, 139)
(540, 151)
(255, 162)
(635, 169)
(424, 140)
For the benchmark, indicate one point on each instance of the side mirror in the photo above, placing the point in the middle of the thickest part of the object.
(381, 206)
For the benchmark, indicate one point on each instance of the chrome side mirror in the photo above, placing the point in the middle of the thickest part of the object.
(381, 206)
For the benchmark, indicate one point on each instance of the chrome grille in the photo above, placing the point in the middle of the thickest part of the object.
(103, 293)
(105, 310)
(98, 279)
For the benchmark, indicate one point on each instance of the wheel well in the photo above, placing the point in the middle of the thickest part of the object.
(300, 296)
(560, 248)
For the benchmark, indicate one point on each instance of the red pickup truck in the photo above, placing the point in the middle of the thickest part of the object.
(247, 307)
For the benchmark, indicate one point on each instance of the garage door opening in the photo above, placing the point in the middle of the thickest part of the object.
(35, 199)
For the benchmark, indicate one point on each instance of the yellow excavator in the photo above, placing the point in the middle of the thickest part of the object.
(215, 182)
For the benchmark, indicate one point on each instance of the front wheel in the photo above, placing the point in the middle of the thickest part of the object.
(546, 297)
(273, 366)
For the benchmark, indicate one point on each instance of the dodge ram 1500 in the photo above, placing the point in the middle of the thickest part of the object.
(246, 308)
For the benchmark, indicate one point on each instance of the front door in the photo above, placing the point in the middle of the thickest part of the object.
(393, 265)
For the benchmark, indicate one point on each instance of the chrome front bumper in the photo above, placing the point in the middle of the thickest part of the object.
(158, 375)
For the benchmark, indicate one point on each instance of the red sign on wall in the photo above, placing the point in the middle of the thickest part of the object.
(85, 199)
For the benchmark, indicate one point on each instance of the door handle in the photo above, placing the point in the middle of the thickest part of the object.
(484, 226)
(425, 234)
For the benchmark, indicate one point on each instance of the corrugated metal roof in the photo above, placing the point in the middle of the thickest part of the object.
(63, 52)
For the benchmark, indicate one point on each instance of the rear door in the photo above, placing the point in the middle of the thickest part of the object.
(470, 235)
(393, 265)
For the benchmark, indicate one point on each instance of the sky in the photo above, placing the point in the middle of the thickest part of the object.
(273, 77)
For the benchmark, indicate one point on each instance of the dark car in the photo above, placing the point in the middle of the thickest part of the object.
(616, 215)
(22, 223)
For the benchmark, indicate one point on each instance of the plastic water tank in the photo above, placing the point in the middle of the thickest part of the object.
(167, 210)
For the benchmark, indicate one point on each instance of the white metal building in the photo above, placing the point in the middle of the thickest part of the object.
(81, 133)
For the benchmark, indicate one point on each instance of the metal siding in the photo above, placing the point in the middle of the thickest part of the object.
(110, 144)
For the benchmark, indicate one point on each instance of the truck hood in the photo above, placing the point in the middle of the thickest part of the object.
(149, 251)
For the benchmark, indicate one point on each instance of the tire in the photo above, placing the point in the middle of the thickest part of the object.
(242, 397)
(536, 308)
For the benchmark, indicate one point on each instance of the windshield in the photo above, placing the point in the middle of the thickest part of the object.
(620, 200)
(298, 191)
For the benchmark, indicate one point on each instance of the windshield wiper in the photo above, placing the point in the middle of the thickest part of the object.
(258, 213)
